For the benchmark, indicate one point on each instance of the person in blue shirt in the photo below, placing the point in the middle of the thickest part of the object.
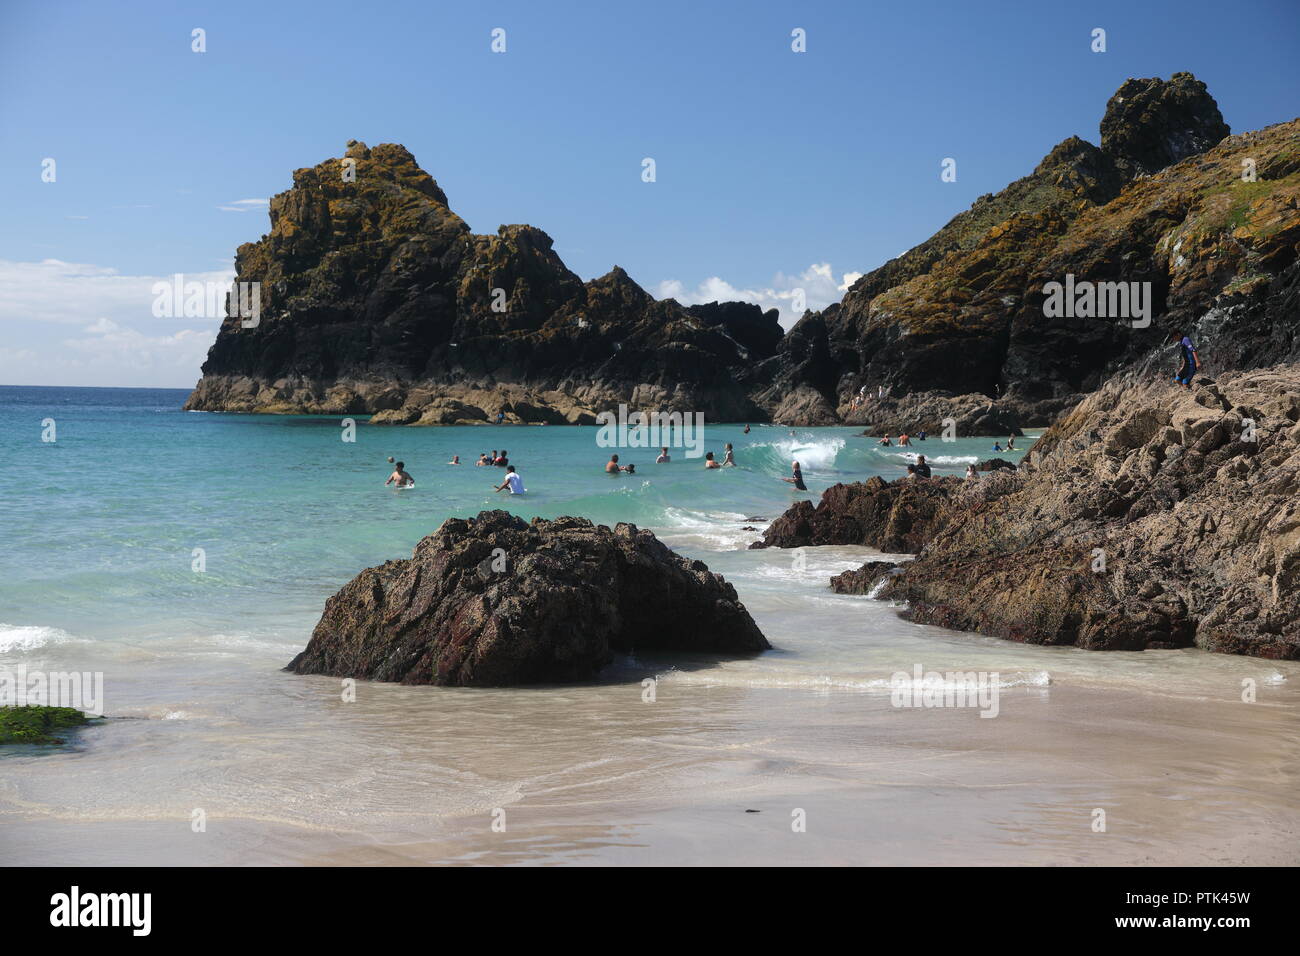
(1191, 361)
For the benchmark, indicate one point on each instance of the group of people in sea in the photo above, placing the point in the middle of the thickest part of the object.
(401, 478)
(904, 440)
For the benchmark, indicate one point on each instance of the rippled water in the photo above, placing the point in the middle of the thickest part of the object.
(96, 574)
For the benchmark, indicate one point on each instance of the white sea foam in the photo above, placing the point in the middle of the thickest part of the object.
(22, 638)
(812, 456)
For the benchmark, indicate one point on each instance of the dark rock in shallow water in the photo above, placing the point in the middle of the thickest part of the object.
(995, 464)
(494, 601)
(860, 581)
(897, 516)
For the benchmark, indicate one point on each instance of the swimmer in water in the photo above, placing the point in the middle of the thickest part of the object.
(796, 478)
(611, 466)
(400, 477)
(709, 462)
(455, 460)
(885, 441)
(663, 457)
(513, 482)
(729, 457)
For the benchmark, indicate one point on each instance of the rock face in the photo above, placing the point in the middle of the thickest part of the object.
(376, 297)
(1162, 201)
(1151, 124)
(893, 516)
(495, 601)
(1147, 518)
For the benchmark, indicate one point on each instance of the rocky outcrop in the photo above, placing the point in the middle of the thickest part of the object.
(1150, 124)
(861, 580)
(995, 464)
(376, 297)
(897, 516)
(1149, 517)
(1162, 201)
(494, 601)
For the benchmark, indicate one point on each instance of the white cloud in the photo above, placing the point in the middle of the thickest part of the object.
(244, 205)
(69, 323)
(108, 345)
(68, 292)
(818, 283)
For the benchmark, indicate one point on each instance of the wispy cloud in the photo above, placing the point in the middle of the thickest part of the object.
(244, 205)
(818, 282)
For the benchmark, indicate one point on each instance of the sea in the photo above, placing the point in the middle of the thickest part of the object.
(184, 557)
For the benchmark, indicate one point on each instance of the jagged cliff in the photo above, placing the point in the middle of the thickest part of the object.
(1162, 200)
(376, 297)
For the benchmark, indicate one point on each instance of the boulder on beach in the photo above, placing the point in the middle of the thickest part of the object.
(494, 600)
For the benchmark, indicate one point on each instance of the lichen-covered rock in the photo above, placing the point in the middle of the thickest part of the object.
(892, 516)
(1163, 201)
(1150, 124)
(495, 601)
(376, 297)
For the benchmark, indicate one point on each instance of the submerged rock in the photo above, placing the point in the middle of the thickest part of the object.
(494, 601)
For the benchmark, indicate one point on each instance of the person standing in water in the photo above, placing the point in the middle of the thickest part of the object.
(663, 457)
(729, 457)
(709, 462)
(885, 441)
(399, 475)
(746, 429)
(796, 478)
(455, 460)
(513, 482)
(611, 466)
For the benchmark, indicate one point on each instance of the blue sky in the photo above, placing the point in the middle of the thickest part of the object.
(775, 169)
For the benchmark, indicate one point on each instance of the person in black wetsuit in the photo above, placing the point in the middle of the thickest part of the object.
(922, 469)
(797, 479)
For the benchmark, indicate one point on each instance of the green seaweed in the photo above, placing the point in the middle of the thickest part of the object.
(35, 724)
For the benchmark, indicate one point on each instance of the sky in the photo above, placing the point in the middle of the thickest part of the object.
(774, 169)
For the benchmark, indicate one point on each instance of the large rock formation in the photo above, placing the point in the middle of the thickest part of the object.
(493, 601)
(1150, 517)
(376, 297)
(964, 311)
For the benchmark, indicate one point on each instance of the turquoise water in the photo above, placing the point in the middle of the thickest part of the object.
(102, 523)
(97, 538)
